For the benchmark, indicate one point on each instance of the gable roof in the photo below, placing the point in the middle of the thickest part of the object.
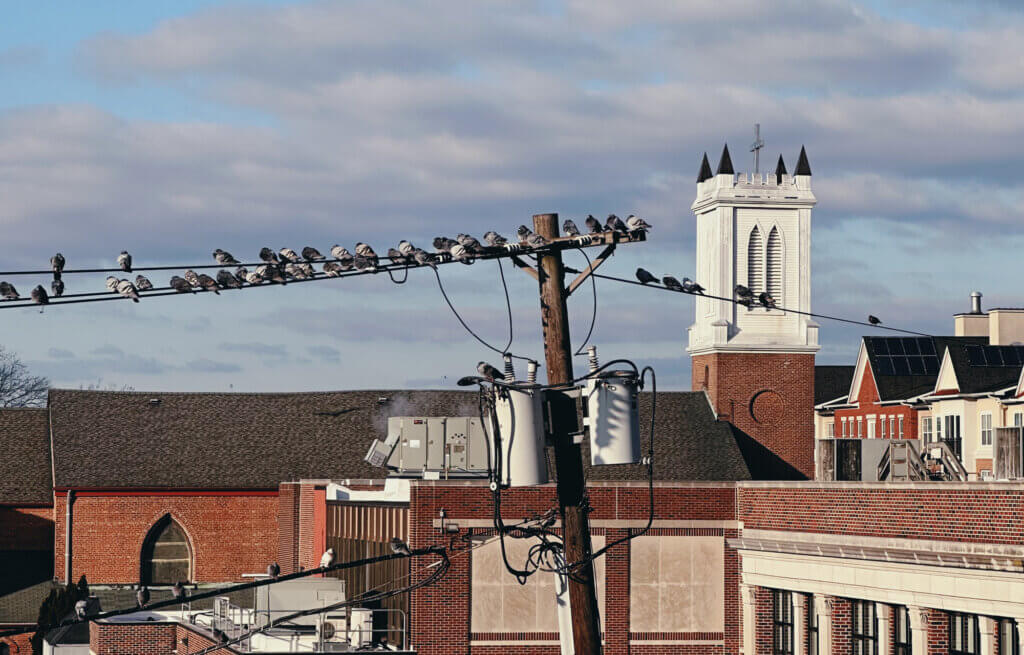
(907, 367)
(981, 368)
(25, 474)
(113, 439)
(831, 382)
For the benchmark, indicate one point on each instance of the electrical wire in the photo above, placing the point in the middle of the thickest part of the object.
(593, 316)
(735, 301)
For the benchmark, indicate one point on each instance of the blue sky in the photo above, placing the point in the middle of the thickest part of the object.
(173, 128)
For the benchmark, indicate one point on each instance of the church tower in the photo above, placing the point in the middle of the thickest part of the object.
(757, 363)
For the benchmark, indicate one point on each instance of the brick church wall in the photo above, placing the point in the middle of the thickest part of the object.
(230, 533)
(767, 396)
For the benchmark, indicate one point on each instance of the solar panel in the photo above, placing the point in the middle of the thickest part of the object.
(880, 346)
(927, 347)
(896, 346)
(1003, 356)
(910, 346)
(916, 365)
(904, 356)
(884, 365)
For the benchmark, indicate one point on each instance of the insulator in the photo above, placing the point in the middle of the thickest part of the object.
(531, 372)
(510, 374)
(592, 351)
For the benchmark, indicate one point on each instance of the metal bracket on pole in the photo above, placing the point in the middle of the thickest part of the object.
(585, 273)
(526, 268)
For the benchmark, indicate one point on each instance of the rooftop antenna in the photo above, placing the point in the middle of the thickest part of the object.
(756, 146)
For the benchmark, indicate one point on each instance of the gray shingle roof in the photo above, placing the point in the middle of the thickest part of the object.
(831, 382)
(257, 440)
(25, 476)
(978, 379)
(901, 383)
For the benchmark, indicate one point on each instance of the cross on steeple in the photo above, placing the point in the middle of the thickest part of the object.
(756, 147)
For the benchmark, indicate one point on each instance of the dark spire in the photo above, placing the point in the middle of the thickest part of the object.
(725, 163)
(780, 170)
(705, 170)
(802, 167)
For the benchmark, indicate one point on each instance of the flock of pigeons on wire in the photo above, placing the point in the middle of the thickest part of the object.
(286, 264)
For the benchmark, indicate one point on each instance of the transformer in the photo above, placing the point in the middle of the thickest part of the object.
(611, 415)
(520, 417)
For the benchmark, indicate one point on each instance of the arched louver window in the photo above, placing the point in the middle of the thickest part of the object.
(166, 554)
(774, 265)
(755, 262)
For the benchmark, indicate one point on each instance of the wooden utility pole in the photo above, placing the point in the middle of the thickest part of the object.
(586, 625)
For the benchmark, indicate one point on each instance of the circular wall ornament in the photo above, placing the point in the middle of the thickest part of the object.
(767, 407)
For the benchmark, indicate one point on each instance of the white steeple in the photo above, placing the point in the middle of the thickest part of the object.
(754, 230)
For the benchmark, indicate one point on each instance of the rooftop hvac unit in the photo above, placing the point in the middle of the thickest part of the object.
(453, 446)
(355, 633)
(520, 418)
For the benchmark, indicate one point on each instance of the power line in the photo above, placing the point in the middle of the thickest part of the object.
(593, 315)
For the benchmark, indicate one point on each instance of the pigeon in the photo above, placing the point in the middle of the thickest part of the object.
(124, 260)
(268, 272)
(227, 280)
(8, 291)
(745, 295)
(874, 320)
(268, 255)
(689, 286)
(224, 258)
(406, 248)
(471, 244)
(332, 269)
(178, 590)
(180, 285)
(112, 283)
(530, 237)
(57, 287)
(636, 224)
(273, 570)
(363, 263)
(459, 253)
(347, 261)
(367, 251)
(399, 547)
(766, 300)
(489, 372)
(128, 290)
(645, 276)
(208, 283)
(396, 256)
(81, 608)
(57, 264)
(671, 283)
(252, 277)
(327, 558)
(293, 271)
(39, 295)
(307, 270)
(494, 239)
(142, 595)
(593, 224)
(191, 278)
(242, 274)
(311, 254)
(338, 252)
(142, 283)
(443, 244)
(424, 258)
(570, 229)
(615, 223)
(287, 254)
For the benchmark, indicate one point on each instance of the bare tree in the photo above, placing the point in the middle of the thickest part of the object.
(18, 387)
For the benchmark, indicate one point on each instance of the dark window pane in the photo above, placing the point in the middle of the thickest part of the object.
(900, 366)
(910, 346)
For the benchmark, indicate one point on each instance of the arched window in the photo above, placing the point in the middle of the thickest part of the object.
(755, 262)
(773, 265)
(166, 554)
(707, 377)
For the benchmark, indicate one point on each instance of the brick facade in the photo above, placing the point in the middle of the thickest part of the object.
(771, 406)
(288, 526)
(26, 528)
(132, 638)
(868, 404)
(230, 533)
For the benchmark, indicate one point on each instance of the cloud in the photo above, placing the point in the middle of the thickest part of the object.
(204, 365)
(255, 348)
(327, 354)
(108, 351)
(60, 353)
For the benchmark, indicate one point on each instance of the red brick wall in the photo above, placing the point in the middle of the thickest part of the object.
(26, 528)
(768, 396)
(19, 644)
(452, 595)
(922, 511)
(132, 638)
(312, 532)
(764, 606)
(842, 626)
(867, 403)
(288, 527)
(938, 632)
(192, 641)
(229, 534)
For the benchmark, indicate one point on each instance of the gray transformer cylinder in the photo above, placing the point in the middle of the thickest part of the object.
(613, 418)
(520, 417)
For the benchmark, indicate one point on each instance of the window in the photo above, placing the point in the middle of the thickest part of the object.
(812, 627)
(938, 428)
(926, 429)
(892, 427)
(964, 634)
(871, 427)
(1018, 419)
(782, 622)
(831, 429)
(755, 262)
(952, 430)
(773, 266)
(845, 432)
(865, 628)
(860, 427)
(166, 554)
(902, 638)
(1009, 640)
(884, 433)
(901, 427)
(986, 429)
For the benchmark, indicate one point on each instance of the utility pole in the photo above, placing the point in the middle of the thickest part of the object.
(586, 625)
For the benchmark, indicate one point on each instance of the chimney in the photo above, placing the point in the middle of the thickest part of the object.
(974, 323)
(975, 302)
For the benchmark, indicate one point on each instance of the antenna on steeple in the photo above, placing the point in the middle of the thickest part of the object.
(756, 146)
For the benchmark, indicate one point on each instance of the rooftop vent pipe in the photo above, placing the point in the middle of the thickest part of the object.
(975, 302)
